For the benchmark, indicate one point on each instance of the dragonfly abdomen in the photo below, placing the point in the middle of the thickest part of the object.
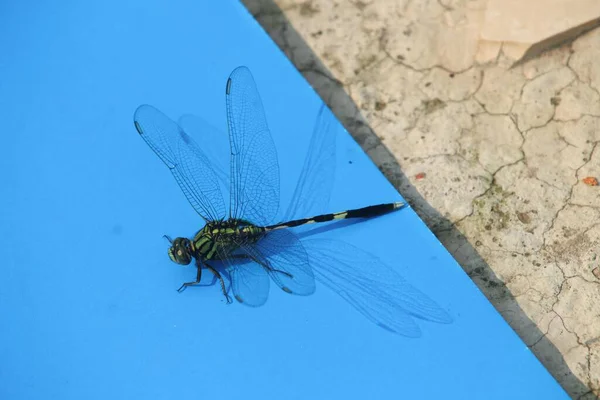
(365, 212)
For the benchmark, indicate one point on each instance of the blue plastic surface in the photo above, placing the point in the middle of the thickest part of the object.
(88, 300)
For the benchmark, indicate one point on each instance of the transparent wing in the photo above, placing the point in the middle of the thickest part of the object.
(188, 164)
(313, 189)
(254, 171)
(249, 280)
(285, 259)
(372, 287)
(214, 142)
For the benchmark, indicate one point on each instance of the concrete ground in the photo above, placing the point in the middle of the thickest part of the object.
(494, 159)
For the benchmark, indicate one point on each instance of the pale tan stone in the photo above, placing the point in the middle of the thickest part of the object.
(578, 307)
(585, 59)
(582, 134)
(576, 100)
(574, 240)
(526, 31)
(487, 51)
(594, 362)
(449, 86)
(494, 141)
(515, 50)
(535, 20)
(445, 36)
(566, 342)
(584, 194)
(501, 87)
(549, 61)
(548, 156)
(389, 92)
(535, 107)
(424, 140)
(472, 181)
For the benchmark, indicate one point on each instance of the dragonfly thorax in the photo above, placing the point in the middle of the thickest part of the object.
(219, 238)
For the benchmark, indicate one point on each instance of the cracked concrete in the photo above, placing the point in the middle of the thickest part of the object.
(493, 158)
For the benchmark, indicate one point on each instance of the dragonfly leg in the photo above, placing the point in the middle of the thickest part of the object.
(197, 281)
(218, 276)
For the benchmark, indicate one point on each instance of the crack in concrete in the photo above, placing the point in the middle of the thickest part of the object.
(568, 65)
(568, 200)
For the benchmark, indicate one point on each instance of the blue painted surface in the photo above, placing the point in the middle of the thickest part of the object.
(88, 296)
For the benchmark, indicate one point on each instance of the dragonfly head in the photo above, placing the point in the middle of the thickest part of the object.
(180, 251)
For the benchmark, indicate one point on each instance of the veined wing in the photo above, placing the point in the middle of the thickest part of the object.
(313, 189)
(215, 142)
(373, 288)
(279, 255)
(249, 280)
(188, 164)
(283, 256)
(254, 170)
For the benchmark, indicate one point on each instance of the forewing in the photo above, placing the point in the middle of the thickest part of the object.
(215, 143)
(254, 176)
(188, 164)
(372, 287)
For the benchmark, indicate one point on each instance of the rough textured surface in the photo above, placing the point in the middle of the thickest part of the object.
(492, 158)
(522, 22)
(525, 29)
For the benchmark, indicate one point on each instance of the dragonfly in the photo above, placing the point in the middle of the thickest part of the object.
(241, 238)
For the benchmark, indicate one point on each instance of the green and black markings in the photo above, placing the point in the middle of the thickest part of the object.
(221, 237)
